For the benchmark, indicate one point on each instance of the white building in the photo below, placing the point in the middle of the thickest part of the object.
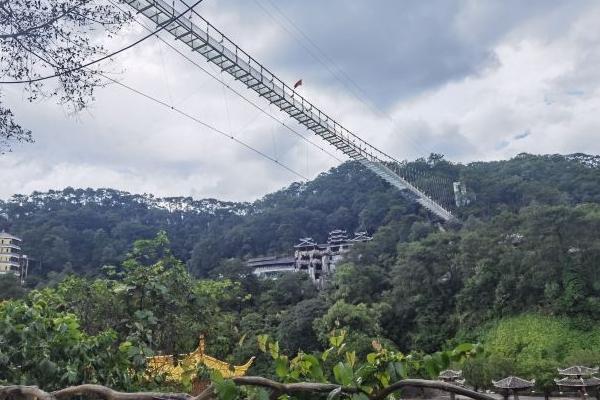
(12, 260)
(319, 260)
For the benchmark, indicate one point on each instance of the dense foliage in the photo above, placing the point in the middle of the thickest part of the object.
(520, 276)
(81, 230)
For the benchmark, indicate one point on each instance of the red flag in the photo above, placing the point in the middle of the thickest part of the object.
(299, 83)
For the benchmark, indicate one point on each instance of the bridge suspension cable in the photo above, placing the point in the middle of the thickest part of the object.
(233, 90)
(336, 71)
(203, 38)
(205, 124)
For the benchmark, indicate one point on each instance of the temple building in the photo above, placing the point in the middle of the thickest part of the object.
(174, 368)
(271, 266)
(579, 379)
(12, 260)
(453, 377)
(513, 384)
(317, 260)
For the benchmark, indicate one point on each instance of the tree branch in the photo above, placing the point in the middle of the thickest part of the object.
(290, 388)
(448, 387)
(277, 388)
(49, 22)
(109, 394)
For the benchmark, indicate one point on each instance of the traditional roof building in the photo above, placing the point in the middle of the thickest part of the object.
(12, 261)
(311, 258)
(578, 378)
(320, 260)
(451, 376)
(174, 368)
(578, 371)
(317, 260)
(361, 237)
(271, 266)
(513, 384)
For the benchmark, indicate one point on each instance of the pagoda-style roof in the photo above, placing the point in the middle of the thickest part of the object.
(513, 383)
(450, 374)
(306, 242)
(578, 382)
(578, 370)
(174, 369)
(269, 261)
(337, 236)
(361, 237)
(6, 235)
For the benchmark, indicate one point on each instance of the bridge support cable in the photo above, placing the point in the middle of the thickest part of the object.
(203, 38)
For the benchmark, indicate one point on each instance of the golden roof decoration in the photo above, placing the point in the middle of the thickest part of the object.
(174, 368)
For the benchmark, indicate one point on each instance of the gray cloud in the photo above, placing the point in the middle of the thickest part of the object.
(469, 79)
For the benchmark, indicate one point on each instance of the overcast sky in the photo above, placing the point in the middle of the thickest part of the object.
(474, 80)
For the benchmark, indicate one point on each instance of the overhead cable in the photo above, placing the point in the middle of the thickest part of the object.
(86, 65)
(205, 124)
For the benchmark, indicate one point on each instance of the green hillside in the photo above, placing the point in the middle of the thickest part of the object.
(520, 274)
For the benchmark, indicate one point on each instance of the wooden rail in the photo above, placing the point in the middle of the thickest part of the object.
(20, 392)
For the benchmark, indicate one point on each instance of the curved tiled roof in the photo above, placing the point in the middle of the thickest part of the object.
(6, 235)
(450, 374)
(174, 368)
(578, 370)
(578, 382)
(513, 382)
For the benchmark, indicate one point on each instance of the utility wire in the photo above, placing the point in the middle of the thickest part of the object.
(233, 90)
(335, 70)
(189, 116)
(68, 71)
(206, 125)
(368, 145)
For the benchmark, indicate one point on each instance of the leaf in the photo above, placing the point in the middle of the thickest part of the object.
(351, 358)
(274, 349)
(226, 389)
(262, 342)
(325, 354)
(344, 375)
(430, 366)
(400, 369)
(242, 339)
(281, 367)
(445, 360)
(463, 348)
(371, 357)
(337, 340)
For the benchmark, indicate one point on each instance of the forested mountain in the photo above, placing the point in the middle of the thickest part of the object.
(83, 229)
(520, 273)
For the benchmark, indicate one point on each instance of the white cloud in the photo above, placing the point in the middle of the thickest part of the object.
(543, 81)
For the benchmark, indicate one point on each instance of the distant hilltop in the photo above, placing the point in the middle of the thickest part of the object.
(81, 230)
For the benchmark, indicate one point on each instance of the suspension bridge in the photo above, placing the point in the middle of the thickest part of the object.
(206, 40)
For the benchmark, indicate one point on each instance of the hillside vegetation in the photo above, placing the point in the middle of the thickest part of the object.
(520, 275)
(83, 229)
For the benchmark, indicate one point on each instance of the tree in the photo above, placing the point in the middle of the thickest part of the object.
(295, 332)
(45, 347)
(359, 320)
(52, 37)
(10, 287)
